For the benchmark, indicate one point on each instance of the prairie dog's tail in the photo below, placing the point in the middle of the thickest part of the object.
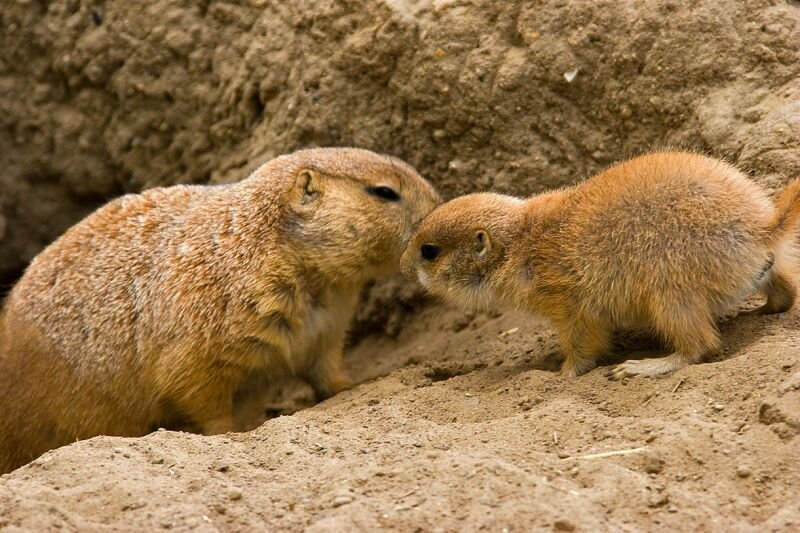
(787, 214)
(7, 455)
(784, 229)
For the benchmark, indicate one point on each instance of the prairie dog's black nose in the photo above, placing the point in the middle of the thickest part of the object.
(430, 251)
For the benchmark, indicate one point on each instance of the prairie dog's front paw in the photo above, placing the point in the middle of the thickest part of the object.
(573, 369)
(340, 383)
(567, 371)
(332, 386)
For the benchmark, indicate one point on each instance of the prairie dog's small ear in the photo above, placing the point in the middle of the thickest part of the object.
(483, 244)
(308, 186)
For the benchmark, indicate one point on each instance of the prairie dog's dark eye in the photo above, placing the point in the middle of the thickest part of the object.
(384, 193)
(430, 251)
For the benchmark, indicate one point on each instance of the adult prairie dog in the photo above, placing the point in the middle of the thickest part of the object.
(158, 307)
(668, 241)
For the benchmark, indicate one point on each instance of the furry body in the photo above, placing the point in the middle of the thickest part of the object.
(667, 241)
(157, 309)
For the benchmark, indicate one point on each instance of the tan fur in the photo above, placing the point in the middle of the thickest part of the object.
(668, 241)
(158, 308)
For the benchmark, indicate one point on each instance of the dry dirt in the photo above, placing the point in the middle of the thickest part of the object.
(460, 422)
(470, 429)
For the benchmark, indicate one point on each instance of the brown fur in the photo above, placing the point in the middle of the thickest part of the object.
(668, 240)
(158, 308)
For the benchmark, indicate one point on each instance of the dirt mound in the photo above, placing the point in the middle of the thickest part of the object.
(470, 427)
(476, 430)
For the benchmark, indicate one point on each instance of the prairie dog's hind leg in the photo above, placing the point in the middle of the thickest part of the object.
(213, 413)
(781, 294)
(208, 403)
(689, 327)
(217, 426)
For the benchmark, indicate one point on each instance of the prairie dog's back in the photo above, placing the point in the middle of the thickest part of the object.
(114, 257)
(85, 298)
(665, 220)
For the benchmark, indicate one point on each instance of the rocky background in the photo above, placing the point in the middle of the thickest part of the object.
(102, 98)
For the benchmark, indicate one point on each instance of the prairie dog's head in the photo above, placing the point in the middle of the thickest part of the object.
(459, 249)
(350, 212)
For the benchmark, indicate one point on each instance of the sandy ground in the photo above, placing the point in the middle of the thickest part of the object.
(461, 423)
(97, 99)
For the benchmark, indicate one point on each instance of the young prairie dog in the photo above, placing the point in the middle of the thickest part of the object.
(667, 241)
(156, 309)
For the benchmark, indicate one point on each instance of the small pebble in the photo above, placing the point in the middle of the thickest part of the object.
(234, 494)
(570, 75)
(719, 407)
(563, 454)
(342, 500)
(653, 464)
(562, 524)
(743, 471)
(658, 500)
